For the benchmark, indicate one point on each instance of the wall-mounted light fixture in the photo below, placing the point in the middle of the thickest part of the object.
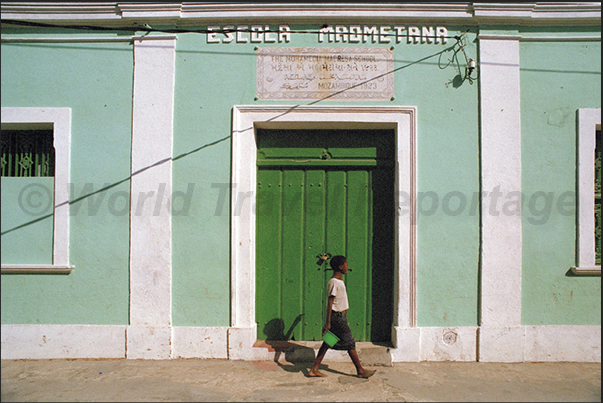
(470, 66)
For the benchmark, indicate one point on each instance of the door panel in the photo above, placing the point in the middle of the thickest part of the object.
(268, 260)
(358, 247)
(315, 212)
(303, 211)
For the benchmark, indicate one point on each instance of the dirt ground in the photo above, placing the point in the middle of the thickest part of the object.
(210, 380)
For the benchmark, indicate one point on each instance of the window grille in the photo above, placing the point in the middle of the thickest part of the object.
(27, 153)
(598, 198)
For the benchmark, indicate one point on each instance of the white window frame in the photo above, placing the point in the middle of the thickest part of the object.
(59, 120)
(589, 121)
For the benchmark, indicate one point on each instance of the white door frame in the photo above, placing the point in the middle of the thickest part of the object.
(246, 119)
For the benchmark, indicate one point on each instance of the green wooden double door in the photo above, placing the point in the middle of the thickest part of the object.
(321, 192)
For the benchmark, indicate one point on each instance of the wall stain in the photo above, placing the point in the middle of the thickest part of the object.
(558, 117)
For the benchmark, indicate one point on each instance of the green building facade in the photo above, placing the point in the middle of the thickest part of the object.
(206, 155)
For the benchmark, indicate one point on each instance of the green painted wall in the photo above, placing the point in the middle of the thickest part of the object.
(557, 78)
(27, 219)
(95, 81)
(212, 78)
(209, 80)
(447, 179)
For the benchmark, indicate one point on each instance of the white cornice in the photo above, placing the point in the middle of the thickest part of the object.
(128, 14)
(535, 13)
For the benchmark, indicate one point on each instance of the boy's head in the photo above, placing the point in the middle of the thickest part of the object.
(337, 262)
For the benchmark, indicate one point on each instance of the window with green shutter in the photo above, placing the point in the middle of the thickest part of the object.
(36, 148)
(598, 198)
(588, 180)
(27, 153)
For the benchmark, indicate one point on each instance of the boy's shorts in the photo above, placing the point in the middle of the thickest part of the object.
(341, 329)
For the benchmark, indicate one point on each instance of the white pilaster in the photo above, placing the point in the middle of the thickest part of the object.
(149, 333)
(501, 256)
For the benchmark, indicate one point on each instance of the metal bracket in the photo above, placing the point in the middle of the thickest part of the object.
(323, 257)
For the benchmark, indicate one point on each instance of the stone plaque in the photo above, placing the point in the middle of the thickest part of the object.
(325, 73)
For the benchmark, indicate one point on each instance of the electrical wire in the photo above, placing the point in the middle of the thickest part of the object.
(148, 29)
(470, 63)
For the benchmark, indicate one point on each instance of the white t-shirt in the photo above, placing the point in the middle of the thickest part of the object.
(336, 288)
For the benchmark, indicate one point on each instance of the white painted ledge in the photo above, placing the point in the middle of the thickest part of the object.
(36, 269)
(586, 270)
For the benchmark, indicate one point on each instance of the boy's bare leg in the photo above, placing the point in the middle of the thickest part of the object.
(322, 351)
(362, 373)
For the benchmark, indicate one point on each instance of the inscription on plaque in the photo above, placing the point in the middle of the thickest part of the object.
(325, 73)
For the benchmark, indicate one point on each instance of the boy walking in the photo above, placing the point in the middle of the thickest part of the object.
(337, 322)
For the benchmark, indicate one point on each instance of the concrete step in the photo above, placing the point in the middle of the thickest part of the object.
(371, 354)
(374, 354)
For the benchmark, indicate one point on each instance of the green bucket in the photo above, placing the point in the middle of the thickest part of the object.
(330, 338)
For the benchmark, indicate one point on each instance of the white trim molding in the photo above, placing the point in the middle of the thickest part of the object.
(59, 120)
(246, 119)
(82, 39)
(540, 38)
(589, 121)
(533, 343)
